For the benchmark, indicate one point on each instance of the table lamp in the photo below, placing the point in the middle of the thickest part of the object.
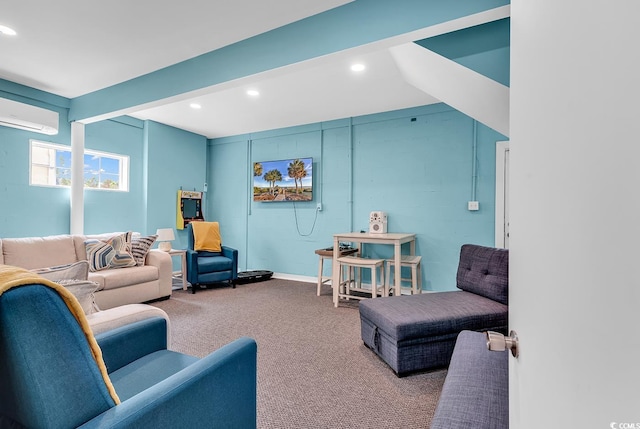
(165, 237)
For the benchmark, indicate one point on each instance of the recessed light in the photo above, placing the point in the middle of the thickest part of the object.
(195, 106)
(253, 92)
(358, 67)
(7, 31)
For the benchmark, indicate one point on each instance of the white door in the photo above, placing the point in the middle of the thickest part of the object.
(574, 289)
(502, 194)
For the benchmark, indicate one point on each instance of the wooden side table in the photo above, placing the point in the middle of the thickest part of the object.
(183, 264)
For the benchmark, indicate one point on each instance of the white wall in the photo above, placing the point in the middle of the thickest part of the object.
(575, 210)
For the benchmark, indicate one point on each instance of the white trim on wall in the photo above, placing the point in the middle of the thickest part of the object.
(295, 277)
(77, 179)
(502, 189)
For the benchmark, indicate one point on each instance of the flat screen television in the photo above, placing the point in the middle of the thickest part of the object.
(283, 180)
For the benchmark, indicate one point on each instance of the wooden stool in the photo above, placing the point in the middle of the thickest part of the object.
(411, 261)
(357, 262)
(328, 254)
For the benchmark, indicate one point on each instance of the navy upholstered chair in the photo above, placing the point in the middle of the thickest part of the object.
(56, 374)
(205, 267)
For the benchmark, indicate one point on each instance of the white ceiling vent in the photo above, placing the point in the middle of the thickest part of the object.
(27, 117)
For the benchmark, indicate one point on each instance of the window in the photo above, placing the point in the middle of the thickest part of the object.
(51, 166)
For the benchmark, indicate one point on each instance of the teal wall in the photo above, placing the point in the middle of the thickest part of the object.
(176, 159)
(104, 210)
(36, 210)
(30, 210)
(483, 48)
(162, 159)
(414, 164)
(227, 173)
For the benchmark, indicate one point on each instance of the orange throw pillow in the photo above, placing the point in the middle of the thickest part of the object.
(206, 236)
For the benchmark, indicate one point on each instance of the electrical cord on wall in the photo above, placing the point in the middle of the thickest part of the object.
(295, 213)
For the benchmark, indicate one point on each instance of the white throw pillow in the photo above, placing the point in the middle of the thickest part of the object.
(74, 278)
(83, 290)
(76, 271)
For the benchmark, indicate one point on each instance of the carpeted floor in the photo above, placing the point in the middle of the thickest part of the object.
(313, 369)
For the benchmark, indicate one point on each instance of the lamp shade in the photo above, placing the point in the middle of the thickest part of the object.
(165, 234)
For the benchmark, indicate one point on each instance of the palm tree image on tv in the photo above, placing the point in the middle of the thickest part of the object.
(284, 180)
(272, 176)
(297, 172)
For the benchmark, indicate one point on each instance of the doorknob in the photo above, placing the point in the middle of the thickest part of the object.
(497, 342)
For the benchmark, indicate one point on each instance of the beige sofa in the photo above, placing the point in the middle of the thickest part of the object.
(117, 287)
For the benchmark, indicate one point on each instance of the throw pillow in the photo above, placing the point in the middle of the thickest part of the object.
(112, 253)
(83, 290)
(140, 246)
(74, 278)
(206, 236)
(76, 271)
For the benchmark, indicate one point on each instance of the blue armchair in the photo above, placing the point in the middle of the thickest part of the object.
(56, 374)
(210, 267)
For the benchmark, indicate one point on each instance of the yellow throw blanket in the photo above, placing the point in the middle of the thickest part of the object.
(206, 236)
(11, 277)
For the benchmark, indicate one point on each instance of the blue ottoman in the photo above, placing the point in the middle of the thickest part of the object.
(418, 332)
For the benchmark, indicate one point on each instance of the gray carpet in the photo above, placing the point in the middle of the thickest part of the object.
(313, 369)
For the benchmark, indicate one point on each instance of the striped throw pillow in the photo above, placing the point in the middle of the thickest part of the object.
(112, 253)
(140, 247)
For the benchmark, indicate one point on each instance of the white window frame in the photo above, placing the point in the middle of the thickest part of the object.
(123, 167)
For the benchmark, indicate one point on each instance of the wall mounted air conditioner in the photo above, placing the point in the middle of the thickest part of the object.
(27, 117)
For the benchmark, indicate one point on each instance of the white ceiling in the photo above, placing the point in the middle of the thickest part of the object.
(319, 92)
(73, 47)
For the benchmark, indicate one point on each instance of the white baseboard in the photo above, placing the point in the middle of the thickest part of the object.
(305, 279)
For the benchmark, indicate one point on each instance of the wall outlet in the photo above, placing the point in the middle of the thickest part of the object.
(319, 207)
(473, 205)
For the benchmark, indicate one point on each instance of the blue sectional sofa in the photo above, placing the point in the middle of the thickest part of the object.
(476, 391)
(418, 332)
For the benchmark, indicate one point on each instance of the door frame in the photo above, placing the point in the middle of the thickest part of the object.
(502, 198)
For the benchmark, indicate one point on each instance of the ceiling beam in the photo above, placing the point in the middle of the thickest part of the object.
(355, 24)
(473, 94)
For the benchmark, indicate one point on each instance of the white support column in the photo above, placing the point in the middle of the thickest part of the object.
(77, 178)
